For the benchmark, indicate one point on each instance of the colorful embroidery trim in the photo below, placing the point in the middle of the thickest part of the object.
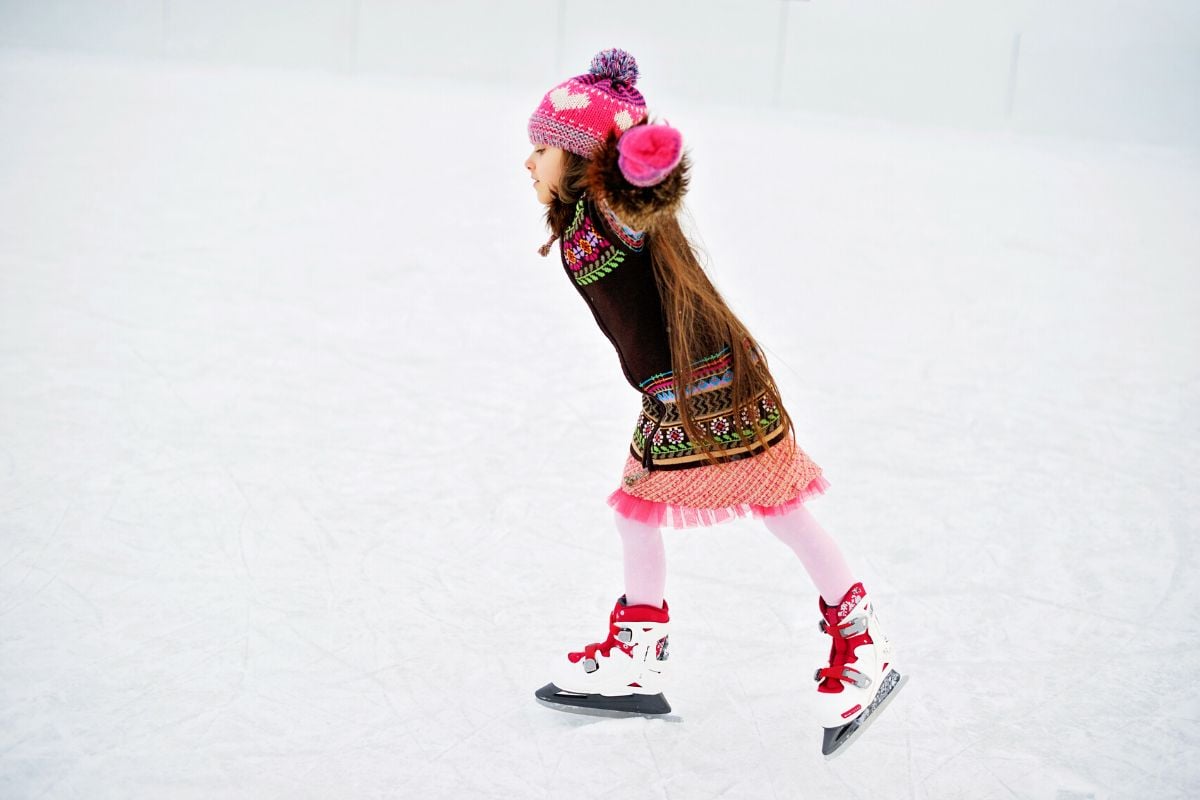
(670, 446)
(632, 239)
(710, 372)
(586, 253)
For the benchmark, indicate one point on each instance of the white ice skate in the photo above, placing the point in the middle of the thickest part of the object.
(861, 678)
(621, 676)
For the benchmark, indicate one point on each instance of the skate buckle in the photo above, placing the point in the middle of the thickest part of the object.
(590, 665)
(859, 679)
(625, 635)
(856, 626)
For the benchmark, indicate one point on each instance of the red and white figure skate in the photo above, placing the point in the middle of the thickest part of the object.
(861, 678)
(621, 676)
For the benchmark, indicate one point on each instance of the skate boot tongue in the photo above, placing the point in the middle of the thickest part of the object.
(842, 651)
(836, 614)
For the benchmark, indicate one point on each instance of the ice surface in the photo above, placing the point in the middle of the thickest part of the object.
(304, 451)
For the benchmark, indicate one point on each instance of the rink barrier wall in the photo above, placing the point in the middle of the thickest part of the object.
(1070, 67)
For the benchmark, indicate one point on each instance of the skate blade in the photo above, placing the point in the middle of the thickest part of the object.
(651, 706)
(838, 739)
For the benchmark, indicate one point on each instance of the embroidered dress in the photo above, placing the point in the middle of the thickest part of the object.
(770, 483)
(665, 481)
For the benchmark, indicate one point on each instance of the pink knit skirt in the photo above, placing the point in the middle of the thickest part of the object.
(773, 482)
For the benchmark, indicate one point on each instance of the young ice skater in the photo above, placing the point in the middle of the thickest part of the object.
(714, 440)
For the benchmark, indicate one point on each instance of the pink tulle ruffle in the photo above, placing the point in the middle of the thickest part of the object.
(678, 516)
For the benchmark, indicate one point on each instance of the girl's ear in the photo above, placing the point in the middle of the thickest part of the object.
(641, 206)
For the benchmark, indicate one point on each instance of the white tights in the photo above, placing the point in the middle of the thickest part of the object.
(646, 563)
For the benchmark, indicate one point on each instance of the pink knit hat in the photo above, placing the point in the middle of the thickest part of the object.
(578, 115)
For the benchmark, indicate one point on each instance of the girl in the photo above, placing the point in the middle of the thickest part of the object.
(713, 440)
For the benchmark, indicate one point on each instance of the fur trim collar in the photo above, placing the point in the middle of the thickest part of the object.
(641, 208)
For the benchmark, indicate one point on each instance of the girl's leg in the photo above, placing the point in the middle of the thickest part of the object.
(860, 677)
(645, 562)
(819, 553)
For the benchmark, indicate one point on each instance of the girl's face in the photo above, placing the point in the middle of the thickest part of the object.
(545, 165)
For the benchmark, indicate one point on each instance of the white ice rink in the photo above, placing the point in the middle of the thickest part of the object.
(304, 451)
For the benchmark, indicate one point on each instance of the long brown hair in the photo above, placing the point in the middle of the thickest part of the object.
(699, 321)
(561, 210)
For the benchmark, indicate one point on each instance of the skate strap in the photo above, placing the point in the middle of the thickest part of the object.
(846, 637)
(845, 673)
(605, 648)
(615, 639)
(621, 636)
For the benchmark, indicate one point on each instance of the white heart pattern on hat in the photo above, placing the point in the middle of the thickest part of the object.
(624, 120)
(563, 99)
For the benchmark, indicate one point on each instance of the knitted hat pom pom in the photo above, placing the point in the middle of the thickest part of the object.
(581, 112)
(616, 65)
